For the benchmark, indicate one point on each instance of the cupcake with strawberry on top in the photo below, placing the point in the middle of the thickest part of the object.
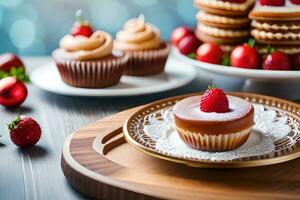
(142, 42)
(86, 58)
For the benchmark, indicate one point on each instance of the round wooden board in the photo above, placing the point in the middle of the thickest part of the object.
(98, 162)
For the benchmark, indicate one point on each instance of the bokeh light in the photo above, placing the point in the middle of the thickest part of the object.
(145, 3)
(110, 15)
(10, 3)
(1, 16)
(164, 21)
(34, 27)
(22, 33)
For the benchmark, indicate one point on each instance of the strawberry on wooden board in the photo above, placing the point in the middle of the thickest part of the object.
(214, 100)
(24, 131)
(81, 26)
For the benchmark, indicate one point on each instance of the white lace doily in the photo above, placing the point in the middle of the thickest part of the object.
(269, 128)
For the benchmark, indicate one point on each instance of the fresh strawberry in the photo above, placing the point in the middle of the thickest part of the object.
(179, 33)
(11, 65)
(235, 1)
(24, 131)
(272, 2)
(188, 44)
(9, 60)
(245, 56)
(296, 61)
(277, 60)
(210, 53)
(296, 2)
(12, 92)
(81, 27)
(214, 100)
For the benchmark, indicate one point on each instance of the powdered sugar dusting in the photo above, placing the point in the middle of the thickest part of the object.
(189, 109)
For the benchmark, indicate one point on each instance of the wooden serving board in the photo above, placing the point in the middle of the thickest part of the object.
(98, 162)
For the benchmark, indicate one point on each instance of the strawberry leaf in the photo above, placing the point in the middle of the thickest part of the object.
(3, 74)
(19, 73)
(270, 49)
(192, 55)
(226, 60)
(14, 123)
(251, 42)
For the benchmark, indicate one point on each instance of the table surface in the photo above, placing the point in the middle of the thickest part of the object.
(35, 173)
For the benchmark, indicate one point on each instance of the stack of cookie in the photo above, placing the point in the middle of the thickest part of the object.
(223, 22)
(278, 26)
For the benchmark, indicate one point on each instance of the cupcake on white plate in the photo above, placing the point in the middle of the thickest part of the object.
(85, 58)
(141, 41)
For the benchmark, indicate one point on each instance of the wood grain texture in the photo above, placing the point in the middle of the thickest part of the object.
(35, 173)
(96, 166)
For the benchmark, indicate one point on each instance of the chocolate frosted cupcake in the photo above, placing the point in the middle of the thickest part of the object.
(89, 61)
(141, 41)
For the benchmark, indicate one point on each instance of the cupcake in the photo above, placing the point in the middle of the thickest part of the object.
(86, 58)
(142, 42)
(214, 121)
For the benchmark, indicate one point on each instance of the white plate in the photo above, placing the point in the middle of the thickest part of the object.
(238, 72)
(177, 74)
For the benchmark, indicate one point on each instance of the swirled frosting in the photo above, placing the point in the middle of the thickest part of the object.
(137, 35)
(99, 45)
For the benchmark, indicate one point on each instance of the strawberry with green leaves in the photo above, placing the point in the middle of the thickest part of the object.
(276, 60)
(11, 65)
(214, 100)
(245, 56)
(24, 131)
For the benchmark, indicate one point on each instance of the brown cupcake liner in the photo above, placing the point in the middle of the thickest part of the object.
(99, 73)
(220, 142)
(147, 62)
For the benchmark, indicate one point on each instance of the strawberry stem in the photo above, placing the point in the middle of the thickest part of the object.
(78, 16)
(251, 42)
(212, 86)
(226, 60)
(270, 49)
(14, 123)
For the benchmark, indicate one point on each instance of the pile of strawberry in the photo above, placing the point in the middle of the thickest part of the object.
(24, 131)
(243, 56)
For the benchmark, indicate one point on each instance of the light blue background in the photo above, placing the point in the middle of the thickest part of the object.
(34, 27)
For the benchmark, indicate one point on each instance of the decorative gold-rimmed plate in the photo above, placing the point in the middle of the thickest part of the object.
(275, 137)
